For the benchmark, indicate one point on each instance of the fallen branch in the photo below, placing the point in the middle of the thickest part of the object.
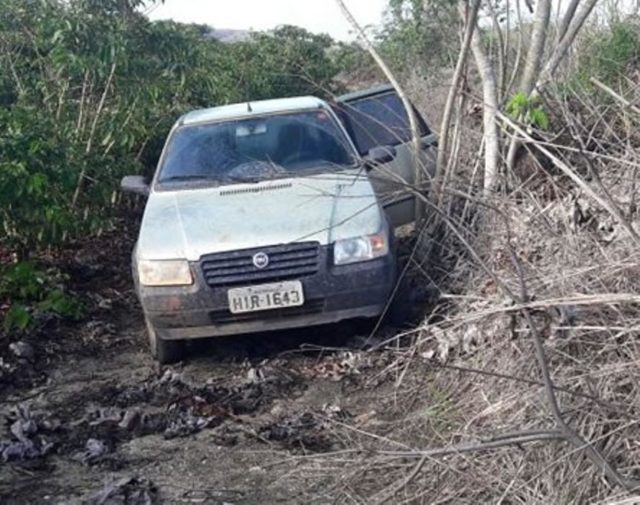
(496, 443)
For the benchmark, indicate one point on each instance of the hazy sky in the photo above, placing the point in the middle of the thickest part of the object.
(322, 16)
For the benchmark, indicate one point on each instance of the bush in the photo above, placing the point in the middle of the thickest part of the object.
(32, 292)
(528, 110)
(612, 52)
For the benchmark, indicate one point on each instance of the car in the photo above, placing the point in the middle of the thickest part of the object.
(274, 214)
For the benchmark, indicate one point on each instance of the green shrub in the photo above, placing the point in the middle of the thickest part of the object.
(611, 52)
(30, 292)
(528, 110)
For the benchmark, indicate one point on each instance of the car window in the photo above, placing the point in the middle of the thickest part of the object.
(378, 120)
(256, 148)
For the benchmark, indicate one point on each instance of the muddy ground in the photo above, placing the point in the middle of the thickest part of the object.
(88, 417)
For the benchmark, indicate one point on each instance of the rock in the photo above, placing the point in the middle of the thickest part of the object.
(27, 444)
(23, 429)
(23, 350)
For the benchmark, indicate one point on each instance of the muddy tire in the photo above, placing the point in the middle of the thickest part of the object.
(164, 351)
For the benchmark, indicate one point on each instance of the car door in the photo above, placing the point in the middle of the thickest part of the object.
(376, 117)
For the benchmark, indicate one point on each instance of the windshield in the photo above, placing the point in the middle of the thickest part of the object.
(256, 148)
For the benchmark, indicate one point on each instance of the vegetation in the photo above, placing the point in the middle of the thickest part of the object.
(523, 239)
(523, 374)
(34, 293)
(420, 37)
(88, 92)
(610, 55)
(89, 89)
(528, 110)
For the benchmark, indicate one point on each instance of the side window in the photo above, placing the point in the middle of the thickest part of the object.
(378, 120)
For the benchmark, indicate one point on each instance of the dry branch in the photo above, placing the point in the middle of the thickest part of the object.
(413, 122)
(615, 95)
(469, 15)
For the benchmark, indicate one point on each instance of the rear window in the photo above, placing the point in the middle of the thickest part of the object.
(378, 120)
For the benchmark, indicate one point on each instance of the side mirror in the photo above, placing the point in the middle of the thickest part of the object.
(135, 184)
(380, 155)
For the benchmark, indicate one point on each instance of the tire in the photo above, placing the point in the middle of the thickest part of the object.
(164, 351)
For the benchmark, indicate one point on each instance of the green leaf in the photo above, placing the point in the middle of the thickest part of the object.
(518, 104)
(17, 317)
(57, 36)
(539, 118)
(60, 303)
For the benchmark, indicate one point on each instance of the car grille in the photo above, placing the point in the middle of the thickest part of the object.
(235, 268)
(226, 317)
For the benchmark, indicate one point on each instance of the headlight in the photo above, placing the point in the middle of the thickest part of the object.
(165, 273)
(357, 249)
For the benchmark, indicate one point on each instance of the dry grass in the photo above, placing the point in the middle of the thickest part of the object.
(469, 373)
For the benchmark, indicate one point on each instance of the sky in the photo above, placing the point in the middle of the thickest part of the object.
(318, 16)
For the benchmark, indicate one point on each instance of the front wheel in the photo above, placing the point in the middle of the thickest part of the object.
(164, 351)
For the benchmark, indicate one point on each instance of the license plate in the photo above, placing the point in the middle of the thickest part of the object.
(265, 297)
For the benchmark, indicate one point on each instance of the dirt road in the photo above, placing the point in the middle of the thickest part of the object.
(242, 421)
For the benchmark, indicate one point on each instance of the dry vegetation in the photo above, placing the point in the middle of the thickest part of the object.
(538, 276)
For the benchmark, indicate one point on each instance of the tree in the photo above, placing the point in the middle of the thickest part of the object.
(419, 35)
(287, 61)
(538, 73)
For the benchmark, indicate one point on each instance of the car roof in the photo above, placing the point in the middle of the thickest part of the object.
(248, 109)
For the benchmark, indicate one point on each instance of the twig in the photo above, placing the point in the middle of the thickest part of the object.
(568, 434)
(425, 455)
(516, 439)
(615, 95)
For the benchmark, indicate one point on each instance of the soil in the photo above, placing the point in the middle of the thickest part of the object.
(89, 417)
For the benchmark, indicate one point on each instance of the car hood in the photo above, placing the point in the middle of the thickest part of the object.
(188, 223)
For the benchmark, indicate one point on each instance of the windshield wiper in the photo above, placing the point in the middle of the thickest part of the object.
(245, 179)
(188, 177)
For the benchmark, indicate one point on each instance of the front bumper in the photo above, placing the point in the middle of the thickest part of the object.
(333, 294)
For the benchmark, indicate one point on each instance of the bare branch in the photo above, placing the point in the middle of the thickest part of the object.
(413, 122)
(469, 15)
(566, 20)
(563, 46)
(615, 95)
(490, 109)
(536, 48)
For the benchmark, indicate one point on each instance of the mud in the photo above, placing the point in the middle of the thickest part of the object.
(88, 417)
(207, 426)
